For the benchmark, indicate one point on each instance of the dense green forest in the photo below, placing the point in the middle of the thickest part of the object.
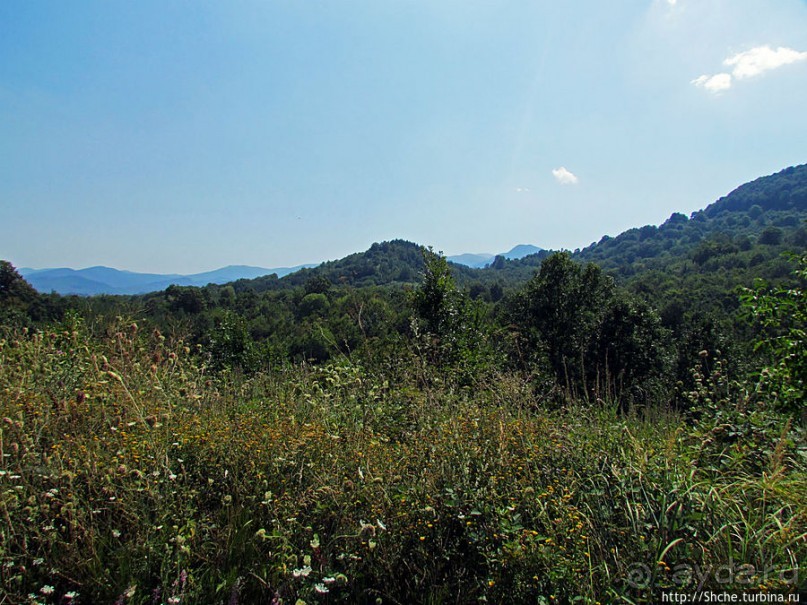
(602, 424)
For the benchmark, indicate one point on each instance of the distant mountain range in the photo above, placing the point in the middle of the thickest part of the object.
(478, 261)
(105, 280)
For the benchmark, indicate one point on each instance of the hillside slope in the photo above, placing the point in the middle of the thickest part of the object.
(769, 211)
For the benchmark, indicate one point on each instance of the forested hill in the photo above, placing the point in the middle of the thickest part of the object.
(785, 190)
(387, 263)
(745, 228)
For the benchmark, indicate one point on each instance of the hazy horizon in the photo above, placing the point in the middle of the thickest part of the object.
(176, 139)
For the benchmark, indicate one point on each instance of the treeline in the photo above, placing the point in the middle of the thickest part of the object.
(572, 327)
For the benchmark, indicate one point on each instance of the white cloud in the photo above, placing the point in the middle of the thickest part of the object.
(748, 64)
(761, 59)
(716, 83)
(522, 189)
(564, 176)
(672, 2)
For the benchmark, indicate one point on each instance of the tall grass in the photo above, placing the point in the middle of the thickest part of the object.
(131, 474)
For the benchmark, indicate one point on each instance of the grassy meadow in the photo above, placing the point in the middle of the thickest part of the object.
(131, 473)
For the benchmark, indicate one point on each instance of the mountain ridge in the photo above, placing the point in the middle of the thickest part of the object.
(482, 259)
(99, 279)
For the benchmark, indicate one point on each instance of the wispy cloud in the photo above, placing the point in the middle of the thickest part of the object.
(714, 83)
(748, 64)
(761, 59)
(564, 176)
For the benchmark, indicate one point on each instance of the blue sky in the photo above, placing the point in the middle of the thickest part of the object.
(172, 136)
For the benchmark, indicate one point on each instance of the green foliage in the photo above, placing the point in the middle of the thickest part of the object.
(313, 304)
(230, 345)
(16, 295)
(594, 337)
(186, 299)
(448, 327)
(771, 236)
(780, 315)
(13, 288)
(129, 475)
(437, 301)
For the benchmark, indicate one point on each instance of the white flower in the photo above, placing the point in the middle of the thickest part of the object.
(47, 589)
(302, 572)
(321, 588)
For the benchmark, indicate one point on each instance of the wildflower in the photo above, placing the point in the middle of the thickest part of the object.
(321, 588)
(47, 589)
(116, 533)
(302, 572)
(69, 596)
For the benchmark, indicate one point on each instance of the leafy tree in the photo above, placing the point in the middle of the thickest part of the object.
(319, 284)
(771, 236)
(452, 324)
(16, 295)
(185, 298)
(437, 300)
(13, 288)
(314, 303)
(632, 344)
(586, 328)
(780, 314)
(560, 310)
(231, 346)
